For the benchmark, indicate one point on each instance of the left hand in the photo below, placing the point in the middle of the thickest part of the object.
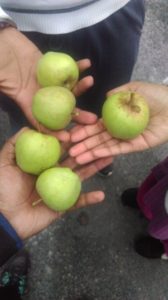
(17, 193)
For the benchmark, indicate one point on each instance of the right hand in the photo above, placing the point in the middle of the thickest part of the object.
(94, 142)
(18, 62)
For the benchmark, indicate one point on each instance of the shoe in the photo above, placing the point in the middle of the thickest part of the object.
(16, 271)
(107, 171)
(148, 247)
(128, 198)
(9, 293)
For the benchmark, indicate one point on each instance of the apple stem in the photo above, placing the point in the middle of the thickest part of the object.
(132, 97)
(135, 107)
(36, 202)
(75, 113)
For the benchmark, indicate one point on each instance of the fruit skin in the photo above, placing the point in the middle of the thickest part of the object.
(57, 69)
(59, 188)
(53, 107)
(125, 115)
(36, 152)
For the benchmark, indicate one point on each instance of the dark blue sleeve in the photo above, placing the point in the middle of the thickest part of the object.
(10, 242)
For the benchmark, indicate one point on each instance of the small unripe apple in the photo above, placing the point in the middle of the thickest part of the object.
(125, 115)
(36, 152)
(53, 107)
(57, 69)
(59, 188)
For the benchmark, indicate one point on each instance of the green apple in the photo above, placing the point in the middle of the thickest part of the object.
(59, 188)
(57, 69)
(53, 107)
(36, 152)
(125, 115)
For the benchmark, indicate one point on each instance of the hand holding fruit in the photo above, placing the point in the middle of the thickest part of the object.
(54, 105)
(18, 63)
(18, 192)
(94, 141)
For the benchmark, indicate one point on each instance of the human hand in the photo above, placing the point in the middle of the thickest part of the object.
(17, 193)
(18, 62)
(95, 141)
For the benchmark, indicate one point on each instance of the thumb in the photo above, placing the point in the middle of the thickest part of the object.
(130, 87)
(84, 117)
(7, 155)
(43, 216)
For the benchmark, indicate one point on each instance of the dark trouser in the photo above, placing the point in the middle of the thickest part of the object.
(9, 293)
(112, 45)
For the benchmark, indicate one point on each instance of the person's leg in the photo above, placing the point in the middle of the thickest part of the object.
(134, 197)
(144, 245)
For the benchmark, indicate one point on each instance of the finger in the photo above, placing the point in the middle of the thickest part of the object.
(90, 143)
(92, 155)
(131, 86)
(89, 199)
(75, 129)
(42, 217)
(121, 147)
(110, 148)
(86, 131)
(83, 85)
(84, 117)
(69, 162)
(7, 155)
(88, 170)
(84, 64)
(62, 135)
(91, 169)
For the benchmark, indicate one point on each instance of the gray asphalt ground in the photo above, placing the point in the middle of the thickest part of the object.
(96, 261)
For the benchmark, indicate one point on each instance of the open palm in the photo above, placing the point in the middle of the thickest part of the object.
(18, 194)
(18, 62)
(94, 141)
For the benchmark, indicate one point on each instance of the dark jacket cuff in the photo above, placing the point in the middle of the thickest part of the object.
(10, 242)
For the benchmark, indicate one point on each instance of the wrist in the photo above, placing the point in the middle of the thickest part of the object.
(7, 31)
(6, 225)
(15, 224)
